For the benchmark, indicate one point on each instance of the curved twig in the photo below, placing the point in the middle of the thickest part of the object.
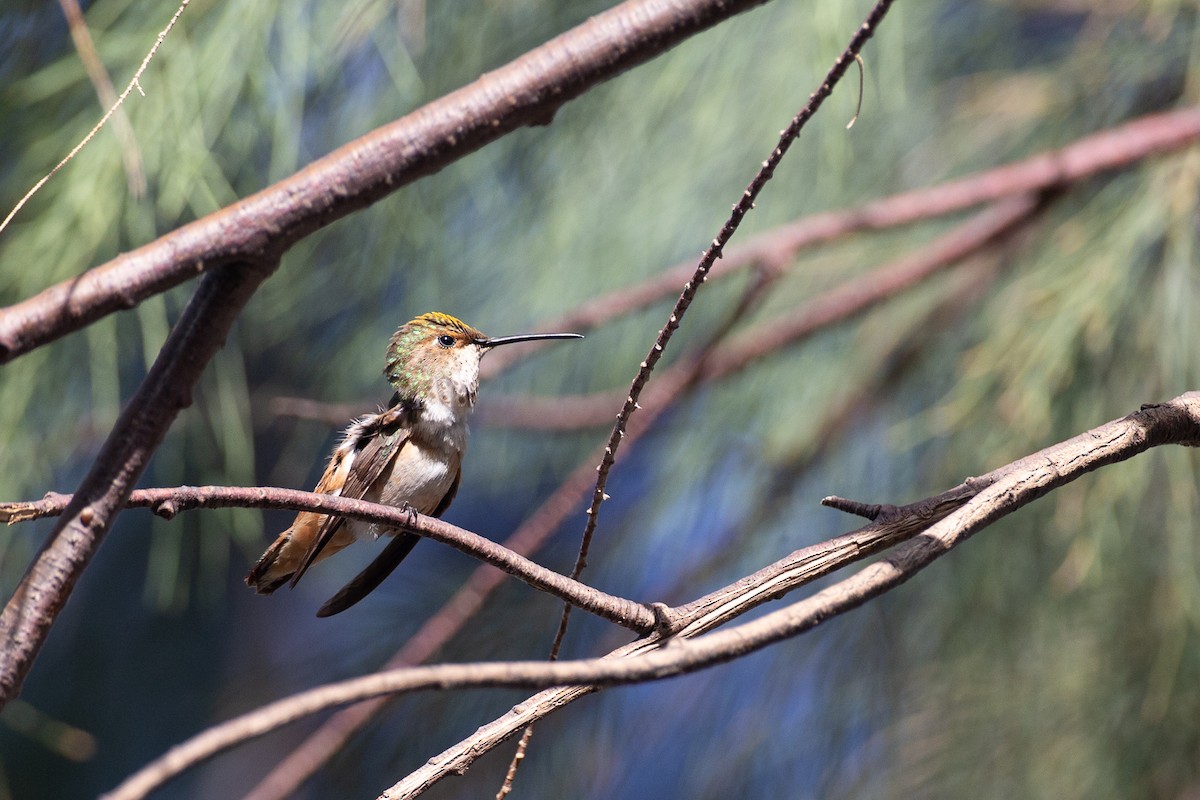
(167, 502)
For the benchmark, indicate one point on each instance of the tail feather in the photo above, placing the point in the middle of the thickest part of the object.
(374, 573)
(261, 578)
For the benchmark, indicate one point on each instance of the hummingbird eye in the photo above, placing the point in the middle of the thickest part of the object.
(446, 340)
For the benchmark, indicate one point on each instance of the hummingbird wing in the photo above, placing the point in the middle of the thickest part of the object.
(370, 444)
(383, 565)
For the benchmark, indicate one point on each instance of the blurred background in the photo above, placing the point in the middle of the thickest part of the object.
(1055, 655)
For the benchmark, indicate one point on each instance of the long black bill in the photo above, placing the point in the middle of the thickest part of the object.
(525, 337)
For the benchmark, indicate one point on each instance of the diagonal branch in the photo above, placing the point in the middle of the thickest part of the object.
(1114, 148)
(740, 209)
(837, 305)
(527, 91)
(955, 515)
(166, 390)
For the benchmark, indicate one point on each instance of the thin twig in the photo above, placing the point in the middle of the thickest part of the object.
(133, 83)
(970, 507)
(711, 254)
(167, 502)
(684, 378)
(1114, 148)
(675, 318)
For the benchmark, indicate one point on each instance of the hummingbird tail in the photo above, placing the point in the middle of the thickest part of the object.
(374, 573)
(264, 577)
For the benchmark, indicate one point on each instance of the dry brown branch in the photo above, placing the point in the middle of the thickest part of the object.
(168, 502)
(527, 91)
(63, 297)
(955, 515)
(942, 522)
(166, 390)
(131, 156)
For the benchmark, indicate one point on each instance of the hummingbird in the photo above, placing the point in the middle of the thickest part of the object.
(408, 455)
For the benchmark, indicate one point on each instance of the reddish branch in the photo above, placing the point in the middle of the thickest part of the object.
(167, 389)
(527, 91)
(942, 522)
(840, 304)
(1112, 149)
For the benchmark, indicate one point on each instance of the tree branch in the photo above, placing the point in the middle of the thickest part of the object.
(167, 502)
(1115, 148)
(955, 515)
(837, 305)
(167, 389)
(527, 91)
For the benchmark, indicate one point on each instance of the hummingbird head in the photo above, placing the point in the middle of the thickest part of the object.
(435, 358)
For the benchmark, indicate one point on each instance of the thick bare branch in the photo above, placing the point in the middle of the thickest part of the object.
(955, 515)
(168, 502)
(527, 91)
(166, 390)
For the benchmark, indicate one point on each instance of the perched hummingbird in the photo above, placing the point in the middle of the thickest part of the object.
(408, 455)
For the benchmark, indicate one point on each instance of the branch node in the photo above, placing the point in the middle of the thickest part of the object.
(165, 509)
(869, 510)
(666, 621)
